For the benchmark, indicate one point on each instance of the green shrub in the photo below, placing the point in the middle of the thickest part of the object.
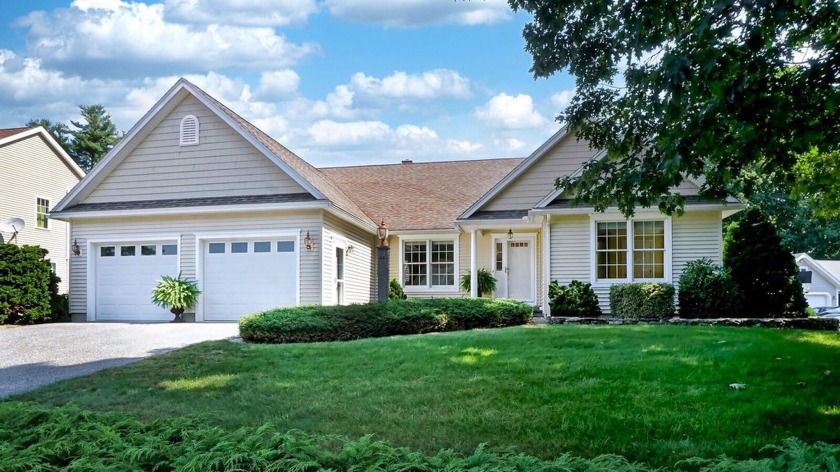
(486, 282)
(27, 284)
(763, 269)
(576, 299)
(395, 290)
(394, 317)
(33, 437)
(642, 300)
(707, 291)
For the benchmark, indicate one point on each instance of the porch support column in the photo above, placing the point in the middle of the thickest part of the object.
(474, 263)
(546, 263)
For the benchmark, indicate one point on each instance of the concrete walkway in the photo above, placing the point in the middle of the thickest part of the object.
(33, 356)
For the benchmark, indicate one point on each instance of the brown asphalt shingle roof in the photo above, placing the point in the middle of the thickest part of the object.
(5, 133)
(420, 196)
(312, 175)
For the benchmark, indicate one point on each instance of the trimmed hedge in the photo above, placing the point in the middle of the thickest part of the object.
(576, 299)
(642, 301)
(314, 323)
(707, 291)
(70, 438)
(28, 288)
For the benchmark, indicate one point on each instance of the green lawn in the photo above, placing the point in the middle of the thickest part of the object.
(654, 394)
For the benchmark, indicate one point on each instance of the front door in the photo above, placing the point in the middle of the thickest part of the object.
(513, 261)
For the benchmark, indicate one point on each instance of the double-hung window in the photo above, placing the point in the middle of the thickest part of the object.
(42, 207)
(429, 263)
(630, 250)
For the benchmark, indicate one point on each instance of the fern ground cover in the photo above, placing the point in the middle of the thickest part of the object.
(654, 394)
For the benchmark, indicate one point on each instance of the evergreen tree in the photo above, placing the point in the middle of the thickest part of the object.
(764, 270)
(93, 137)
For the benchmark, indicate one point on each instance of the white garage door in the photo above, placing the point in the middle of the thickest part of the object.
(246, 276)
(126, 273)
(818, 299)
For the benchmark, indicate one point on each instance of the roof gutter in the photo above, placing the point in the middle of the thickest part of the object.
(194, 210)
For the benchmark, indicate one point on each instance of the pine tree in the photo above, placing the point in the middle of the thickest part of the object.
(94, 137)
(59, 131)
(764, 270)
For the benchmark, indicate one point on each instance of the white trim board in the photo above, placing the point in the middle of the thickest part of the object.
(51, 142)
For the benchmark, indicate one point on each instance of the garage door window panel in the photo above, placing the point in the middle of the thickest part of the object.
(285, 246)
(127, 250)
(239, 248)
(262, 246)
(169, 249)
(216, 248)
(107, 251)
(148, 250)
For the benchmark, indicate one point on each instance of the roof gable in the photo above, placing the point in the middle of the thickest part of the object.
(303, 174)
(829, 270)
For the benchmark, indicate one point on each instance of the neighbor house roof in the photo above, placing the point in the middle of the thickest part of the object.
(5, 133)
(10, 135)
(420, 196)
(829, 269)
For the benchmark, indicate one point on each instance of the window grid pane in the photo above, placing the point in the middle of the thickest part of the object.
(443, 263)
(499, 266)
(649, 249)
(42, 208)
(149, 250)
(611, 250)
(414, 254)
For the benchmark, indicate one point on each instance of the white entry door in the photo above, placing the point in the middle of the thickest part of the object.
(126, 273)
(513, 267)
(244, 276)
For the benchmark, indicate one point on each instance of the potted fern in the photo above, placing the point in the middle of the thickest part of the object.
(486, 282)
(177, 294)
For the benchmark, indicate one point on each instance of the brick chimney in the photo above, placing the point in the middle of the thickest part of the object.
(407, 161)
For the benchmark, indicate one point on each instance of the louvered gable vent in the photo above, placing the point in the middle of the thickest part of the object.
(189, 130)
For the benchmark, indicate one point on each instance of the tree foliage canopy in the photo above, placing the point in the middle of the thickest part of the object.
(59, 131)
(93, 137)
(680, 88)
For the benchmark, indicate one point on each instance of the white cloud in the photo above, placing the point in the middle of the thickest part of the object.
(240, 12)
(416, 133)
(456, 146)
(279, 84)
(509, 144)
(429, 85)
(410, 13)
(560, 100)
(331, 133)
(506, 111)
(113, 38)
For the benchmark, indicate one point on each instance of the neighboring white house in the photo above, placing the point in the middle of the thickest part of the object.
(36, 174)
(194, 188)
(824, 286)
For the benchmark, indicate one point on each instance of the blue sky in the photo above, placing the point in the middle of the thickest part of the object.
(340, 82)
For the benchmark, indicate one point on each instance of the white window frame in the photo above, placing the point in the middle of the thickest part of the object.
(181, 140)
(427, 239)
(46, 214)
(593, 244)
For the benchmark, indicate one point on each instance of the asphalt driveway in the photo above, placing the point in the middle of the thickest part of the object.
(33, 356)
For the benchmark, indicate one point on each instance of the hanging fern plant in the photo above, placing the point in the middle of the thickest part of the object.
(486, 282)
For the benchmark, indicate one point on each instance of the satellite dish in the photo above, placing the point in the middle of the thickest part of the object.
(12, 225)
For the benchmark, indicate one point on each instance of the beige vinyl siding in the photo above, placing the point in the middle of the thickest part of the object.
(359, 283)
(223, 164)
(570, 251)
(820, 284)
(185, 228)
(31, 169)
(695, 235)
(538, 181)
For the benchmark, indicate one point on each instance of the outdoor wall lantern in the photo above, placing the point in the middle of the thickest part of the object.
(350, 249)
(307, 242)
(510, 233)
(382, 232)
(75, 248)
